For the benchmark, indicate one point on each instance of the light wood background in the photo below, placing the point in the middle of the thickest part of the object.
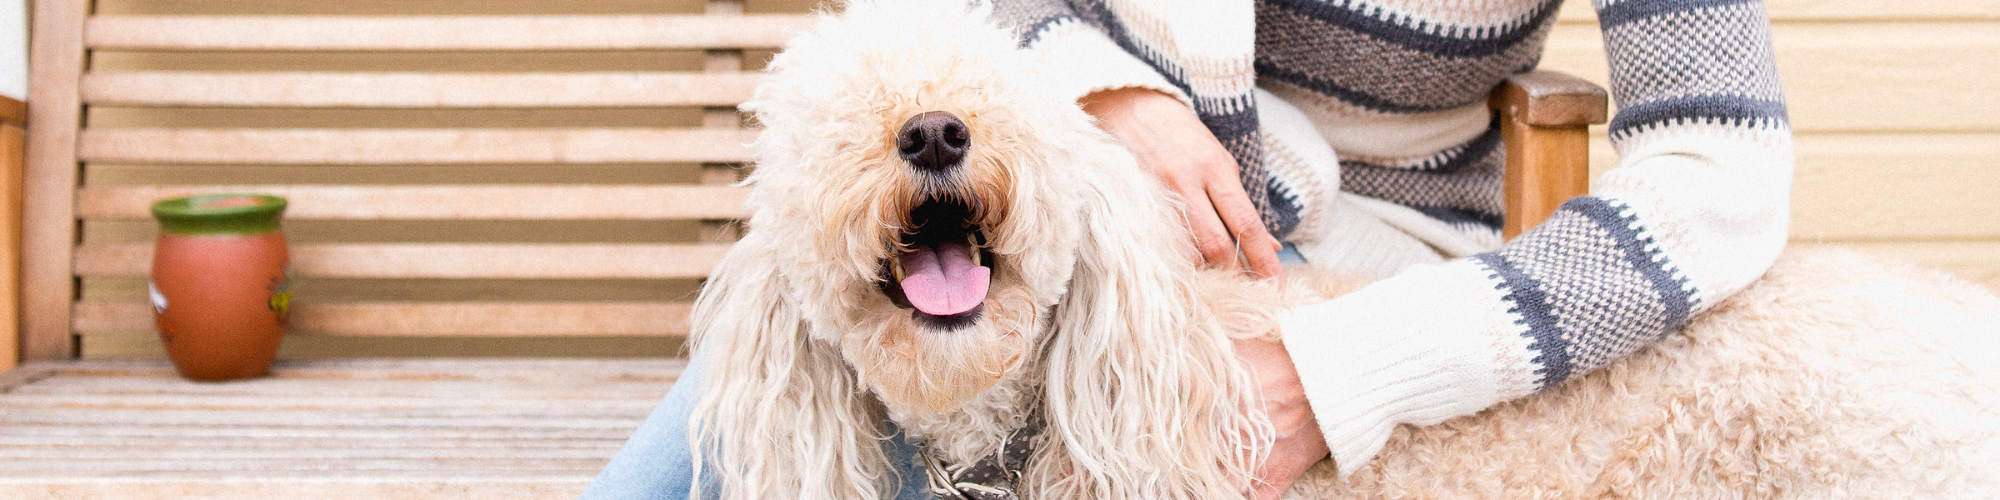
(1895, 106)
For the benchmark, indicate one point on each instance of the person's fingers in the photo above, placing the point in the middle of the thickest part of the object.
(1260, 251)
(1170, 140)
(1245, 226)
(1299, 443)
(1211, 236)
(1290, 457)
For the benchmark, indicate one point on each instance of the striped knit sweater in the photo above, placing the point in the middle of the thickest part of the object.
(1695, 210)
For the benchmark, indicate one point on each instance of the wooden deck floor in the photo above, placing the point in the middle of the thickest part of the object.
(377, 429)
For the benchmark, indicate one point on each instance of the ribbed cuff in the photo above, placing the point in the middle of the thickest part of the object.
(1432, 343)
(1082, 61)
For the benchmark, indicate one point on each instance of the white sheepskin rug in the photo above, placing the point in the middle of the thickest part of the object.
(1835, 376)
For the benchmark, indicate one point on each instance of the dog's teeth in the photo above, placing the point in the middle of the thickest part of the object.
(896, 269)
(972, 247)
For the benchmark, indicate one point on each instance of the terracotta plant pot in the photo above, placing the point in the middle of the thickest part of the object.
(221, 285)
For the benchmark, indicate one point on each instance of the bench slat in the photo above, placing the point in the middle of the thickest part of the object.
(436, 390)
(249, 465)
(435, 319)
(346, 428)
(143, 431)
(413, 146)
(541, 370)
(444, 202)
(227, 455)
(112, 444)
(432, 33)
(418, 90)
(494, 261)
(290, 402)
(498, 484)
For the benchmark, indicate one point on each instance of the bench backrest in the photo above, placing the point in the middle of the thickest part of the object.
(459, 174)
(551, 173)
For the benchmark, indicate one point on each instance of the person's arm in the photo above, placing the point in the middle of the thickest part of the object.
(1169, 140)
(1155, 120)
(1696, 209)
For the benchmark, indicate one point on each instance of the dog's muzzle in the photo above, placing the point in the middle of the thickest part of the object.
(942, 268)
(934, 142)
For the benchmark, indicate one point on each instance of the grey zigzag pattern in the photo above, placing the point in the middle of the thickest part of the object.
(1472, 190)
(1353, 55)
(1589, 287)
(1677, 60)
(1232, 118)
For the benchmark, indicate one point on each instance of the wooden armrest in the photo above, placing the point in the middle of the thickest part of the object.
(13, 112)
(1544, 120)
(1548, 98)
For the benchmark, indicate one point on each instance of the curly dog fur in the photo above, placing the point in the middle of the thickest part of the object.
(1805, 386)
(1833, 376)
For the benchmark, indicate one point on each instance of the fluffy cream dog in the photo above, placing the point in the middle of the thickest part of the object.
(937, 242)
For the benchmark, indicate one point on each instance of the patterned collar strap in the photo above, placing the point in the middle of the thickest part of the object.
(993, 477)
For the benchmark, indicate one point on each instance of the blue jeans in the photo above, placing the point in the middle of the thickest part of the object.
(657, 463)
(1289, 255)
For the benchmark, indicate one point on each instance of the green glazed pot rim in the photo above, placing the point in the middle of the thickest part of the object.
(219, 214)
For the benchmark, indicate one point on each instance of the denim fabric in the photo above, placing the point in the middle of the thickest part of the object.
(657, 463)
(1289, 255)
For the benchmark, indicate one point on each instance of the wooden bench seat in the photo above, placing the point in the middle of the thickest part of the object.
(334, 429)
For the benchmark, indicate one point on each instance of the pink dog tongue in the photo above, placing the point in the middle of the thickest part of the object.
(942, 280)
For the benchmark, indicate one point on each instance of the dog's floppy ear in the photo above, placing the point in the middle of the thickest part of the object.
(780, 415)
(1144, 390)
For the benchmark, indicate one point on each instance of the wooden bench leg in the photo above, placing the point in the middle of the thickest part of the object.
(13, 156)
(1545, 121)
(13, 142)
(1546, 166)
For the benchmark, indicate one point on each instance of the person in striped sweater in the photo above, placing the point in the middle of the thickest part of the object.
(1354, 135)
(1356, 131)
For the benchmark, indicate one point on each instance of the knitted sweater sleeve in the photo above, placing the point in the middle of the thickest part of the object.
(1086, 59)
(1695, 210)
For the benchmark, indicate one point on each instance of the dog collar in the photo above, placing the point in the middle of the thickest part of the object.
(992, 477)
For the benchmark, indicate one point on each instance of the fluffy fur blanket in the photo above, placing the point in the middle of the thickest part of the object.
(1835, 376)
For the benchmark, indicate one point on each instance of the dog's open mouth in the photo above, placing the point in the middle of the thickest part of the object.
(942, 268)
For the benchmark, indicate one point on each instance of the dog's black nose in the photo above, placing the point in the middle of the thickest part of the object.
(934, 141)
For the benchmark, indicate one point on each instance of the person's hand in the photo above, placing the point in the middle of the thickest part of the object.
(1299, 442)
(1169, 139)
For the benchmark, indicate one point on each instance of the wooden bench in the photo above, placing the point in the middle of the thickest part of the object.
(321, 429)
(546, 177)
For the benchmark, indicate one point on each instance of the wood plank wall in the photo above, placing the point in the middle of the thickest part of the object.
(1897, 120)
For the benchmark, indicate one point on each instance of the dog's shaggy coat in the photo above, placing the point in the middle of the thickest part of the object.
(1801, 387)
(1095, 310)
